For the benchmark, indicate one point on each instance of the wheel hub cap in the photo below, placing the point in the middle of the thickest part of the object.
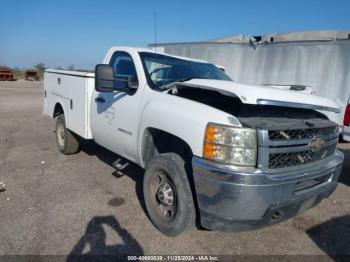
(165, 194)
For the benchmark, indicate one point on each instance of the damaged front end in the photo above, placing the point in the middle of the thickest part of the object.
(297, 163)
(286, 135)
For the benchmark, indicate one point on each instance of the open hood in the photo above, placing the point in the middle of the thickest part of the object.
(266, 95)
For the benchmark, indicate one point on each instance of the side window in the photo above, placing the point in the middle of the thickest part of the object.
(124, 68)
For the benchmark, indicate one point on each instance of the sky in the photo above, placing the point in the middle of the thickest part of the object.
(61, 32)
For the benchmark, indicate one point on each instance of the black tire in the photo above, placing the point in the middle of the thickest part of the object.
(66, 141)
(168, 169)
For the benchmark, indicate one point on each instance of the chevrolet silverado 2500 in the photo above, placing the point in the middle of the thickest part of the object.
(216, 153)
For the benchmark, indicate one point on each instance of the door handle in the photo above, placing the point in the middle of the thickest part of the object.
(100, 100)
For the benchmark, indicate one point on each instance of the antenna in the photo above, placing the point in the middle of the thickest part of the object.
(155, 31)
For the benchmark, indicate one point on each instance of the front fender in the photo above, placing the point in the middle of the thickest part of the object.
(181, 117)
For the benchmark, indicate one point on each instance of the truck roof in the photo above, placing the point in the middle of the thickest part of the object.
(131, 50)
(148, 50)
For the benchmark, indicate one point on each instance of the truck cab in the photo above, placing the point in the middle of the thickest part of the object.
(216, 153)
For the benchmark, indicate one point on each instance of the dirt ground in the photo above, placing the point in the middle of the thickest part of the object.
(61, 205)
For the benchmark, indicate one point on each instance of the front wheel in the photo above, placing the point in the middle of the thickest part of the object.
(66, 141)
(168, 195)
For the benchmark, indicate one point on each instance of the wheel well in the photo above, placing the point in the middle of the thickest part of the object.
(156, 141)
(58, 110)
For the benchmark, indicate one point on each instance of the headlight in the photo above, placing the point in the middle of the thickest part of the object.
(230, 145)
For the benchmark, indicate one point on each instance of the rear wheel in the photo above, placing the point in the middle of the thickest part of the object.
(67, 142)
(168, 196)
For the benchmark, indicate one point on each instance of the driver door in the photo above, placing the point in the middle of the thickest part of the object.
(115, 115)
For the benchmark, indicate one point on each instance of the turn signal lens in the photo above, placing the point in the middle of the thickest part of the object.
(210, 134)
(209, 150)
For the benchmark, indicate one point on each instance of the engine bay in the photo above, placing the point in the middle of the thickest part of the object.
(255, 116)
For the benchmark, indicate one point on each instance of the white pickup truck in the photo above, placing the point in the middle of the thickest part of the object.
(216, 153)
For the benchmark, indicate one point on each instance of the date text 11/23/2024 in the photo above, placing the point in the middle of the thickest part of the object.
(174, 258)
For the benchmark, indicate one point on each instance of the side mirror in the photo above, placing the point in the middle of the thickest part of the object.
(104, 78)
(106, 82)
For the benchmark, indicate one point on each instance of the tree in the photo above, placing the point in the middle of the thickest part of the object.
(40, 67)
(71, 67)
(59, 68)
(18, 72)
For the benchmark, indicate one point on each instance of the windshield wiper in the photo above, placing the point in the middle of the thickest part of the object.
(190, 78)
(169, 85)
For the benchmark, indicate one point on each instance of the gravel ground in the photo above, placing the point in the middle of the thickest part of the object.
(61, 205)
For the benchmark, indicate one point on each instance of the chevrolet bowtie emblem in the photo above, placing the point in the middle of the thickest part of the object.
(317, 143)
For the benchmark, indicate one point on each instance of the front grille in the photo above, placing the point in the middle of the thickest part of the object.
(288, 148)
(288, 159)
(307, 133)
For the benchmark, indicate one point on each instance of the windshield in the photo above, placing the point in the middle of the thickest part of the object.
(163, 70)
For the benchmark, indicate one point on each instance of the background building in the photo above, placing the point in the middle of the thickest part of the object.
(320, 60)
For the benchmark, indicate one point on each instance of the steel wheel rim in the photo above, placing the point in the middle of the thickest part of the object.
(163, 195)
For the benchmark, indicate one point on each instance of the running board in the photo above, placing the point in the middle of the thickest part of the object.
(120, 166)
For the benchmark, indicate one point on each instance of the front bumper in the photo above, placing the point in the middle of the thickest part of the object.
(239, 198)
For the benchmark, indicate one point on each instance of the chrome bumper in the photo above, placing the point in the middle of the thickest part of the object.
(233, 199)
